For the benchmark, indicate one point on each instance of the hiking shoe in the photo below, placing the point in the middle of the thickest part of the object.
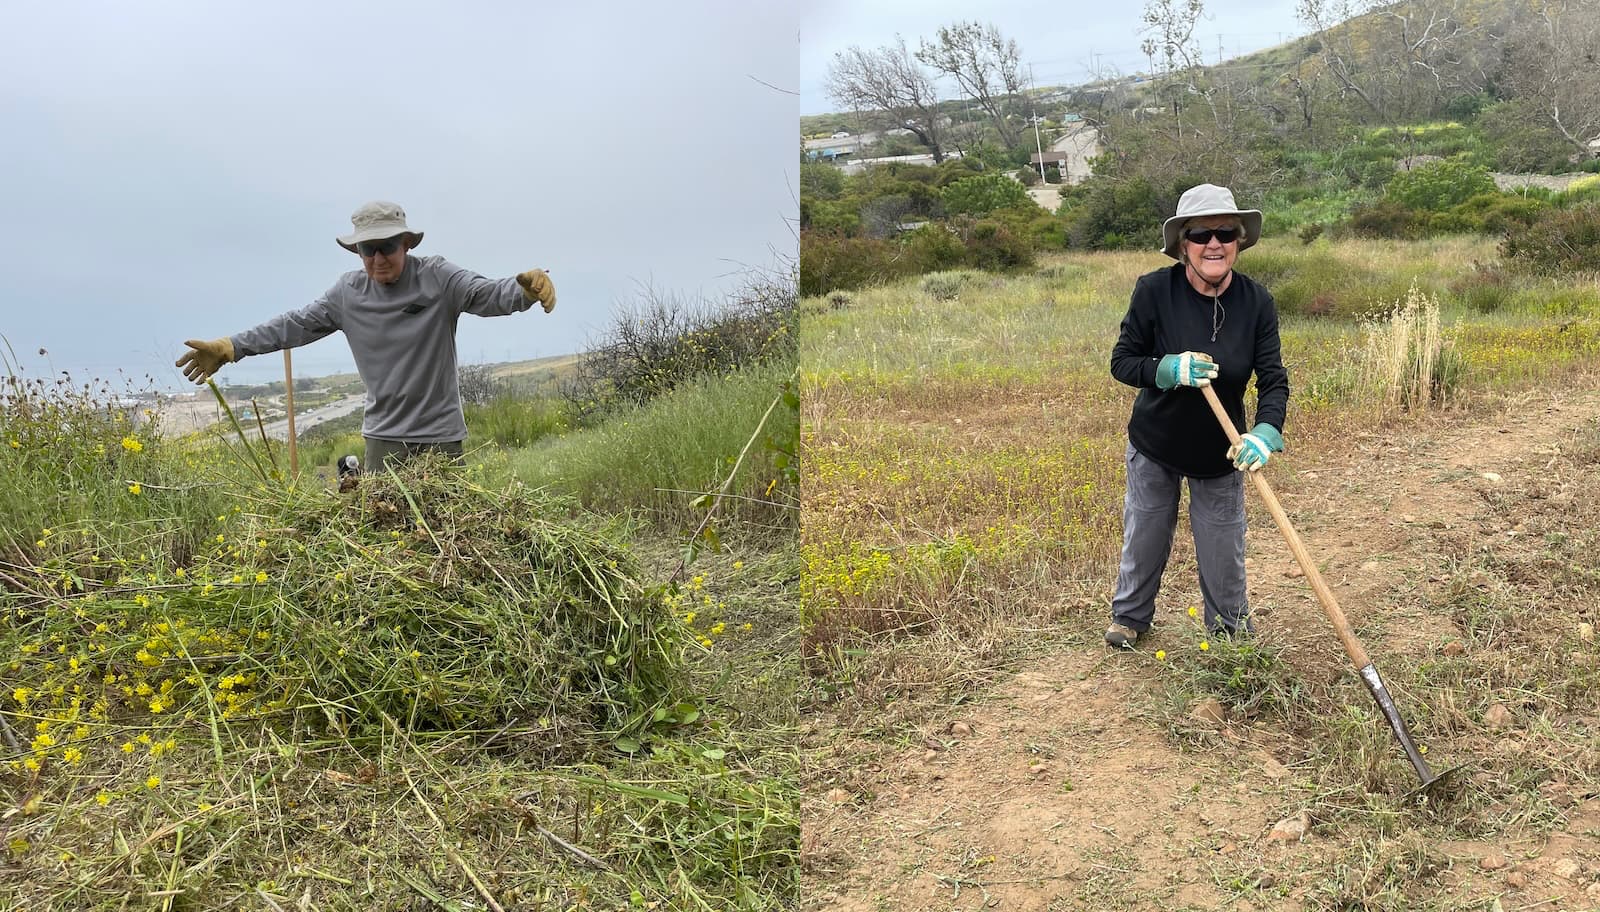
(1121, 637)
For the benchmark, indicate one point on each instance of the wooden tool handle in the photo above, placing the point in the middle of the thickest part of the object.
(288, 404)
(1330, 605)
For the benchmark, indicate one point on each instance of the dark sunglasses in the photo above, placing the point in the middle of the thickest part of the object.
(378, 248)
(1203, 236)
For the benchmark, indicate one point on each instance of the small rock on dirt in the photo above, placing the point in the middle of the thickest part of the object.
(1516, 880)
(1294, 573)
(1492, 477)
(930, 756)
(1452, 648)
(1566, 868)
(960, 729)
(837, 796)
(1492, 862)
(1498, 717)
(1291, 829)
(1209, 711)
(1586, 633)
(1037, 769)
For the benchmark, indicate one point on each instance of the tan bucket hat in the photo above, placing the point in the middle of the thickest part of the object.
(1203, 200)
(377, 221)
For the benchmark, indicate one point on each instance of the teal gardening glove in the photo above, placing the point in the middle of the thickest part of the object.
(1254, 448)
(1186, 369)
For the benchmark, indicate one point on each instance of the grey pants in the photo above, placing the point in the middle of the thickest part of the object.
(397, 451)
(1149, 520)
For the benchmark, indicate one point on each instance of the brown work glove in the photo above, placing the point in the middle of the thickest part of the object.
(204, 358)
(537, 286)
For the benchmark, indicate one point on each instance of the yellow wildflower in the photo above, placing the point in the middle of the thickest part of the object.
(132, 445)
(1161, 655)
(1204, 645)
(261, 576)
(103, 799)
(152, 782)
(135, 488)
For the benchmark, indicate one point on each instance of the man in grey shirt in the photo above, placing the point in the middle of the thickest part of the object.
(398, 312)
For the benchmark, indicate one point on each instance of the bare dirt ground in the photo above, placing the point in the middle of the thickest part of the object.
(1063, 787)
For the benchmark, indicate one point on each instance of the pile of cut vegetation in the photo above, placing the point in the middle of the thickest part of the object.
(421, 599)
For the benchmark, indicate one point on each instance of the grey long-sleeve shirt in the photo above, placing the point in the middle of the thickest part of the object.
(403, 337)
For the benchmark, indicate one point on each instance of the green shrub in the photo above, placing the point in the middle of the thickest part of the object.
(933, 247)
(1027, 176)
(829, 262)
(819, 181)
(1384, 218)
(993, 246)
(1310, 232)
(1497, 213)
(946, 286)
(660, 341)
(1439, 185)
(1560, 241)
(983, 194)
(1107, 214)
(823, 217)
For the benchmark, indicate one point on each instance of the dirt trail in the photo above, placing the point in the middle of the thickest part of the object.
(1061, 788)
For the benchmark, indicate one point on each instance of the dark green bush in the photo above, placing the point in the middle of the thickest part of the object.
(1383, 219)
(1106, 214)
(991, 245)
(933, 248)
(828, 217)
(983, 194)
(819, 181)
(1560, 241)
(1439, 185)
(829, 262)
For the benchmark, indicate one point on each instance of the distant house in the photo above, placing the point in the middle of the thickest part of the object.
(1071, 153)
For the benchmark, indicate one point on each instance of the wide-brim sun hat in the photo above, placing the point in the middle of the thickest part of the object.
(377, 221)
(1201, 201)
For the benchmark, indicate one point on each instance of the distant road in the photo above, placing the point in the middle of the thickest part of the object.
(304, 421)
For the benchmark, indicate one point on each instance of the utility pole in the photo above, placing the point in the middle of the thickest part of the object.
(1037, 142)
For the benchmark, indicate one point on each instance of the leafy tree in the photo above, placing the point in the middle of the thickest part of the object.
(984, 194)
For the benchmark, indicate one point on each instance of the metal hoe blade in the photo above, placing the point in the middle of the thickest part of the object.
(1431, 782)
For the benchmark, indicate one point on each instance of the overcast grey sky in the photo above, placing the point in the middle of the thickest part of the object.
(179, 169)
(1065, 41)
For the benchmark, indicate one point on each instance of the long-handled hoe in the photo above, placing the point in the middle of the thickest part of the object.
(1341, 626)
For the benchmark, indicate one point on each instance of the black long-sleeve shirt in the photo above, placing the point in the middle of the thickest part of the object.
(1175, 427)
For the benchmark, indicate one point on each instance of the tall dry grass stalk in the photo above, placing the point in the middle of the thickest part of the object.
(1402, 352)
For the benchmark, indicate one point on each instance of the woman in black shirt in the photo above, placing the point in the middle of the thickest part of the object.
(1194, 324)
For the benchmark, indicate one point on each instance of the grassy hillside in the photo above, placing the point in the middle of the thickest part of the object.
(450, 688)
